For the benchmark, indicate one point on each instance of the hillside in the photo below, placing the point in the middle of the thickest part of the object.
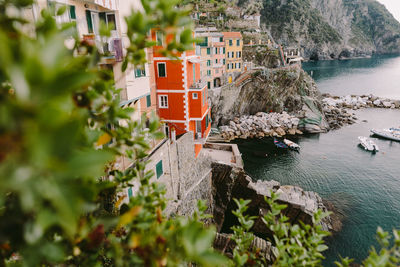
(326, 29)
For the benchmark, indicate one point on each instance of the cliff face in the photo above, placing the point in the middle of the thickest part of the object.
(326, 29)
(277, 90)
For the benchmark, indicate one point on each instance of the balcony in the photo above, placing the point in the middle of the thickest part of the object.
(198, 85)
(110, 48)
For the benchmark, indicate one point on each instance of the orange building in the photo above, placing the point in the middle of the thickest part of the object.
(182, 95)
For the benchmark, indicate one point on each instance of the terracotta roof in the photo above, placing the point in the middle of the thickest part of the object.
(232, 35)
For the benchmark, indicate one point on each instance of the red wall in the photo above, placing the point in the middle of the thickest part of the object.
(175, 110)
(174, 79)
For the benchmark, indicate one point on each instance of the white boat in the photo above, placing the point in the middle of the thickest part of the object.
(291, 145)
(368, 144)
(391, 134)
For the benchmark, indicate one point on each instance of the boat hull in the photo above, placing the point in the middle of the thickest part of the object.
(386, 135)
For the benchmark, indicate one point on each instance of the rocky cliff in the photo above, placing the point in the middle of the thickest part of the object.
(329, 29)
(291, 90)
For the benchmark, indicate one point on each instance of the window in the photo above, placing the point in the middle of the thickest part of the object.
(223, 61)
(232, 67)
(224, 49)
(111, 21)
(239, 65)
(228, 66)
(205, 42)
(72, 13)
(216, 50)
(140, 72)
(208, 72)
(208, 62)
(162, 71)
(230, 42)
(148, 101)
(159, 169)
(238, 42)
(195, 96)
(208, 50)
(159, 38)
(208, 85)
(216, 61)
(221, 50)
(163, 101)
(221, 39)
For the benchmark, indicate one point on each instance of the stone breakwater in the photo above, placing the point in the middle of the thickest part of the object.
(261, 125)
(337, 111)
(337, 108)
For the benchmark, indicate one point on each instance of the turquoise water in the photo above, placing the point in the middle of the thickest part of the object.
(364, 187)
(379, 75)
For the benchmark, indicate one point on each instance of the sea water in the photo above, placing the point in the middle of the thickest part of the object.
(364, 187)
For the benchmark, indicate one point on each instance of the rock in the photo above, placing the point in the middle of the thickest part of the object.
(396, 103)
(299, 132)
(280, 131)
(387, 104)
(312, 128)
(377, 102)
(291, 131)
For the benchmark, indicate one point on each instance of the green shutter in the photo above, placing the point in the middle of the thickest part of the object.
(148, 100)
(224, 50)
(89, 21)
(238, 42)
(72, 13)
(208, 50)
(223, 60)
(130, 192)
(159, 169)
(230, 42)
(221, 39)
(208, 85)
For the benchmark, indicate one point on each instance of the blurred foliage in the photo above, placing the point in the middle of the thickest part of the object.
(61, 131)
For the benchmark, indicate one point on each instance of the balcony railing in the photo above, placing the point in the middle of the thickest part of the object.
(110, 48)
(198, 85)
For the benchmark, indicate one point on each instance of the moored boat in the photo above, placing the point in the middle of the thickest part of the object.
(368, 144)
(280, 144)
(391, 134)
(291, 144)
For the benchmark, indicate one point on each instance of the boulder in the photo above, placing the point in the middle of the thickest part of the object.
(291, 131)
(377, 102)
(387, 104)
(280, 131)
(312, 128)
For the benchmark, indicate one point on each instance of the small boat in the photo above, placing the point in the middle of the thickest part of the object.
(291, 145)
(368, 144)
(280, 144)
(391, 134)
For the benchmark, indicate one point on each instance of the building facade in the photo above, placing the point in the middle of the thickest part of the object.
(233, 57)
(212, 54)
(137, 82)
(181, 94)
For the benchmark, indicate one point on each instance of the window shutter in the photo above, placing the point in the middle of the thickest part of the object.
(224, 50)
(130, 192)
(72, 13)
(159, 169)
(89, 21)
(148, 100)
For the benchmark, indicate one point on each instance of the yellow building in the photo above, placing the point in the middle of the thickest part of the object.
(234, 46)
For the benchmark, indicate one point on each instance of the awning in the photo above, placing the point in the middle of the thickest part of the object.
(194, 59)
(296, 59)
